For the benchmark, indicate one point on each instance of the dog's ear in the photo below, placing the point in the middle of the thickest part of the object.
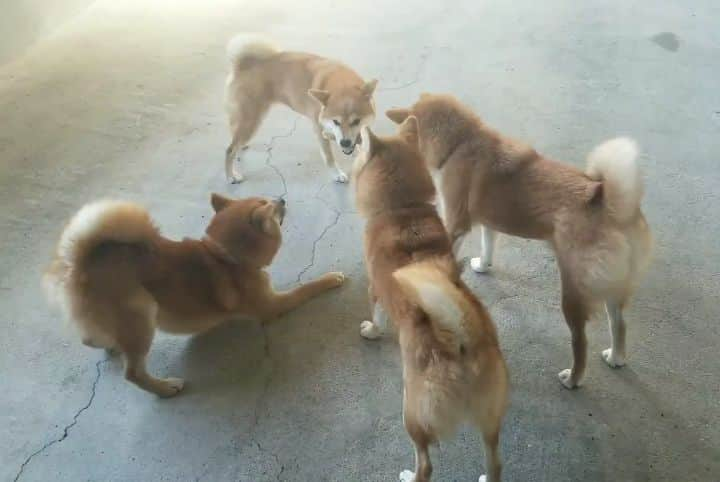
(373, 143)
(321, 96)
(398, 115)
(369, 87)
(219, 202)
(409, 129)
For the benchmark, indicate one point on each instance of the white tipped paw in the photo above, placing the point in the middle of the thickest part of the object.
(369, 330)
(236, 178)
(565, 377)
(479, 266)
(336, 278)
(407, 476)
(482, 478)
(340, 178)
(613, 360)
(171, 387)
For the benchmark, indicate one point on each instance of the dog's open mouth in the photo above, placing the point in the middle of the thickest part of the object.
(350, 150)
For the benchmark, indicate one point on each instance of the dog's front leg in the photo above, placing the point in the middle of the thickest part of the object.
(336, 172)
(279, 303)
(482, 263)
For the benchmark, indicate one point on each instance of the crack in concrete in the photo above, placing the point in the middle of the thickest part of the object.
(66, 429)
(327, 228)
(269, 148)
(418, 71)
(260, 401)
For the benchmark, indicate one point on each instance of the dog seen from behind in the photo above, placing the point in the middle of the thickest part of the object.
(453, 370)
(592, 219)
(118, 278)
(333, 96)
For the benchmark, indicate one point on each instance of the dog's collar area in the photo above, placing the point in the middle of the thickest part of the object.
(217, 250)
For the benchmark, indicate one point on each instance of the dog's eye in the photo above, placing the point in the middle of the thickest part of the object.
(336, 122)
(355, 122)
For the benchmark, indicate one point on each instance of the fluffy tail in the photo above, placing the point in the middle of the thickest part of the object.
(248, 47)
(429, 286)
(614, 164)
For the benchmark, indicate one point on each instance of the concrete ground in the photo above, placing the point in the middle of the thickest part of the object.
(126, 101)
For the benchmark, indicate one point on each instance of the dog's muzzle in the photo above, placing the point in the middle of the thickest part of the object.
(280, 210)
(348, 146)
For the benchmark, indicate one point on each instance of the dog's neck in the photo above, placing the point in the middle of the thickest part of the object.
(217, 250)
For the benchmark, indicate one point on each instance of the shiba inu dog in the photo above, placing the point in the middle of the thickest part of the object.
(453, 370)
(119, 279)
(335, 98)
(592, 219)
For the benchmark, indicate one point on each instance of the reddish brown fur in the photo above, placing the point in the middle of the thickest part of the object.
(443, 384)
(122, 279)
(506, 186)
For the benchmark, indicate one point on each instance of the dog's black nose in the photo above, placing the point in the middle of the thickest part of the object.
(282, 201)
(345, 143)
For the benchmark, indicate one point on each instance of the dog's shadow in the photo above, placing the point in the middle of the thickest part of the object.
(229, 357)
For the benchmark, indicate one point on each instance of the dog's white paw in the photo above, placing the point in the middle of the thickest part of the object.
(407, 476)
(336, 278)
(613, 360)
(170, 387)
(236, 178)
(370, 330)
(565, 377)
(482, 478)
(340, 178)
(479, 266)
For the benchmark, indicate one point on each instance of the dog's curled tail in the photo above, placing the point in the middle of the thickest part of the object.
(428, 285)
(243, 48)
(614, 163)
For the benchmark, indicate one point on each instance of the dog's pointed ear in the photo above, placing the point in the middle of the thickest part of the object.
(409, 129)
(398, 115)
(219, 202)
(321, 96)
(369, 87)
(373, 143)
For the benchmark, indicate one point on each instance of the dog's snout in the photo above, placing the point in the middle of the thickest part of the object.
(281, 201)
(345, 143)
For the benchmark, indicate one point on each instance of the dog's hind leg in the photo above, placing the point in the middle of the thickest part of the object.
(576, 315)
(615, 355)
(421, 440)
(246, 113)
(482, 263)
(492, 456)
(337, 174)
(134, 343)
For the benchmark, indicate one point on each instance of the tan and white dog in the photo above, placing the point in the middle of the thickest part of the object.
(592, 219)
(119, 279)
(453, 370)
(334, 97)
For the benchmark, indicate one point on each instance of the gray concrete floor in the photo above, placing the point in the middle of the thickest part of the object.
(127, 102)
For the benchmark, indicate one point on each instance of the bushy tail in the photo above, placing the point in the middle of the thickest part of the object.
(614, 163)
(429, 286)
(93, 224)
(247, 47)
